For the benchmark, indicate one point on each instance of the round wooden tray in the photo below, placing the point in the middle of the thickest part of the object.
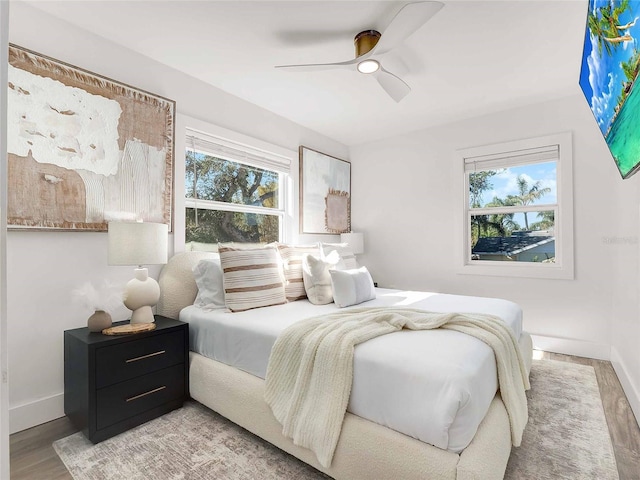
(129, 329)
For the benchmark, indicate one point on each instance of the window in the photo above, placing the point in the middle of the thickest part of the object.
(233, 193)
(517, 214)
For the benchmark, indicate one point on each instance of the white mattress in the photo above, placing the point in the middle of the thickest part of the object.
(433, 385)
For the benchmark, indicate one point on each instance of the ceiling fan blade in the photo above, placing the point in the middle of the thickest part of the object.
(308, 67)
(409, 19)
(394, 86)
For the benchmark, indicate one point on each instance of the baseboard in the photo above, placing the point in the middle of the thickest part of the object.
(567, 346)
(35, 413)
(631, 390)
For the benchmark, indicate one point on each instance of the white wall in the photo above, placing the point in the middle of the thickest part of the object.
(4, 358)
(44, 267)
(404, 196)
(625, 325)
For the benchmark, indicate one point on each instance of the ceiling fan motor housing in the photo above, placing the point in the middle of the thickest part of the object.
(365, 41)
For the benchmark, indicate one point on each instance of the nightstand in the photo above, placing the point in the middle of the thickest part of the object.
(114, 383)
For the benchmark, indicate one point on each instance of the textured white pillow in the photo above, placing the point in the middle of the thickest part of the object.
(347, 258)
(208, 276)
(316, 277)
(292, 257)
(351, 287)
(252, 278)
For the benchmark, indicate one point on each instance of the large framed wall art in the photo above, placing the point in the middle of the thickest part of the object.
(325, 193)
(83, 149)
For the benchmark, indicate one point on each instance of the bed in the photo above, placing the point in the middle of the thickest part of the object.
(230, 382)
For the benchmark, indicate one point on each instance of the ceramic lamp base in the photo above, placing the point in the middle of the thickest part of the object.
(140, 294)
(142, 315)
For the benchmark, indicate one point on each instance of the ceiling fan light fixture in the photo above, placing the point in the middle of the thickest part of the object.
(368, 66)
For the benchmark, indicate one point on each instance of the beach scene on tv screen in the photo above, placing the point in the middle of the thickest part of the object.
(610, 65)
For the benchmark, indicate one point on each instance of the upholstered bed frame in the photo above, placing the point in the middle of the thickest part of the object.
(365, 450)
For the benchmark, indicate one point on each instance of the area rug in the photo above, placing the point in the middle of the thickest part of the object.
(566, 438)
(567, 435)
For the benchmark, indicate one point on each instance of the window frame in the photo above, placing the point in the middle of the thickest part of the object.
(186, 125)
(215, 205)
(563, 226)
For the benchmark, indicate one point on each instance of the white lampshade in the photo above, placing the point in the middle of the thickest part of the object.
(137, 243)
(355, 241)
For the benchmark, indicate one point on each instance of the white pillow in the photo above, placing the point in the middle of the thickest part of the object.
(351, 287)
(208, 276)
(316, 278)
(347, 258)
(252, 278)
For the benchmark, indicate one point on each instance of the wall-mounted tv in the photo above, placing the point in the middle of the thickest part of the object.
(610, 65)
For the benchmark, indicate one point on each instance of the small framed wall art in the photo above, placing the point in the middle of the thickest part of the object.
(84, 149)
(325, 193)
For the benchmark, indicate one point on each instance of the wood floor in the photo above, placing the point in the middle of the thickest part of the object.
(33, 457)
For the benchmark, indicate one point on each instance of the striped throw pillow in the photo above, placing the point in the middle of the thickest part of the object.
(292, 256)
(252, 278)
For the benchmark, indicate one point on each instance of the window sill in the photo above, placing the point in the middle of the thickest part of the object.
(502, 269)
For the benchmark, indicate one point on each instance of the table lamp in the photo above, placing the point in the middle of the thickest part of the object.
(139, 243)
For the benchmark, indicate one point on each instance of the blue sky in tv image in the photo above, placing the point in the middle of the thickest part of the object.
(602, 77)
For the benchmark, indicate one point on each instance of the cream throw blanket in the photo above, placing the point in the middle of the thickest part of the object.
(310, 369)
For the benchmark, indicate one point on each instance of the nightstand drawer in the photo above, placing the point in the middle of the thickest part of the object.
(128, 360)
(128, 399)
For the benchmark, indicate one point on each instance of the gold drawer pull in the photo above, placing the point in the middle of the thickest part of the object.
(146, 393)
(145, 356)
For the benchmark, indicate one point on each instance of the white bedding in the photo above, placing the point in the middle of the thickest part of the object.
(433, 385)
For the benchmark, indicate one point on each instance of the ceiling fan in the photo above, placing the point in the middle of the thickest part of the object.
(372, 45)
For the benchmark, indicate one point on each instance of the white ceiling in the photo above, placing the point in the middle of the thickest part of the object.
(471, 58)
